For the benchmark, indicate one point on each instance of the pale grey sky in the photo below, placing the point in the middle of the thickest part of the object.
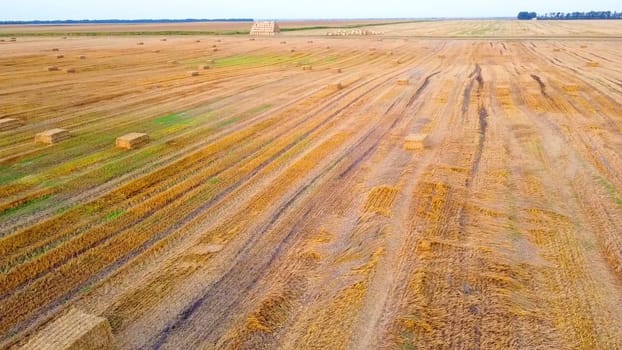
(282, 9)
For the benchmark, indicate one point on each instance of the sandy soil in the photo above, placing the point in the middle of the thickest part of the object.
(273, 211)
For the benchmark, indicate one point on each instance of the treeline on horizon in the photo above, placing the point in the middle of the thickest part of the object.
(128, 21)
(570, 15)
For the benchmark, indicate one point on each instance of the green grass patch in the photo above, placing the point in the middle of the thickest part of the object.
(257, 110)
(30, 160)
(515, 234)
(172, 119)
(26, 208)
(8, 175)
(113, 215)
(226, 122)
(214, 180)
(248, 60)
(613, 192)
(244, 115)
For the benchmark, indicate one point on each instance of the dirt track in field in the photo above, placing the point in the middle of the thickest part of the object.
(271, 210)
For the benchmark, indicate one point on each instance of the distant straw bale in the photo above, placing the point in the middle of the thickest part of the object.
(163, 39)
(75, 330)
(55, 49)
(8, 124)
(70, 70)
(416, 141)
(283, 42)
(402, 81)
(52, 136)
(571, 88)
(60, 56)
(204, 67)
(132, 140)
(82, 57)
(265, 28)
(140, 43)
(593, 64)
(194, 74)
(335, 86)
(52, 69)
(307, 67)
(156, 51)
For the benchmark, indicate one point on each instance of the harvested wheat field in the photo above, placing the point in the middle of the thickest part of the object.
(272, 210)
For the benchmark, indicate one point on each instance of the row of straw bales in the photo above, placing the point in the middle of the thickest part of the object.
(54, 136)
(354, 32)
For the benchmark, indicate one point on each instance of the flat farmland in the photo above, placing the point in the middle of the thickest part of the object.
(277, 207)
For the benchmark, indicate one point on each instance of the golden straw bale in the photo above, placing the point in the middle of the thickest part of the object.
(335, 86)
(402, 81)
(52, 136)
(416, 141)
(8, 124)
(75, 330)
(571, 88)
(131, 140)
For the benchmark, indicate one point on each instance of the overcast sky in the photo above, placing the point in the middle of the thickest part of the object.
(283, 9)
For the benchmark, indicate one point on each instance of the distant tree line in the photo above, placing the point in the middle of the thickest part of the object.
(582, 15)
(527, 15)
(126, 21)
(571, 15)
